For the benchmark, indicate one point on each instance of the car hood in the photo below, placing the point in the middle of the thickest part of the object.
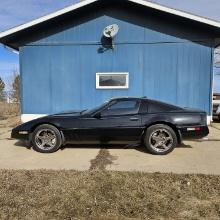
(46, 119)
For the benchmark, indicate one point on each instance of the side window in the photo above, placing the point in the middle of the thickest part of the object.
(144, 107)
(122, 107)
(155, 107)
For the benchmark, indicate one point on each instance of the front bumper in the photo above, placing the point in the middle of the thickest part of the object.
(195, 132)
(21, 135)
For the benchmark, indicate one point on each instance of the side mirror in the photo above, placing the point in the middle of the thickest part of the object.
(98, 115)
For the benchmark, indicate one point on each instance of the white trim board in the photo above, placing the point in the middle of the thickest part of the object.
(29, 117)
(209, 119)
(87, 2)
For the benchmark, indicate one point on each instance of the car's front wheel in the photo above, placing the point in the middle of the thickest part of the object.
(160, 139)
(46, 139)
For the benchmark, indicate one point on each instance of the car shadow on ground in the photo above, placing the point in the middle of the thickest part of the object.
(21, 143)
(216, 120)
(139, 148)
(182, 145)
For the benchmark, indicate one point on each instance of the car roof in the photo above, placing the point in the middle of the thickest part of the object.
(152, 101)
(128, 98)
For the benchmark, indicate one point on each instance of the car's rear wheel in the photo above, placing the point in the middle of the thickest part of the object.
(160, 139)
(46, 139)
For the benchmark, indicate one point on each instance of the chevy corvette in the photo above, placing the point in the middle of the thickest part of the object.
(159, 126)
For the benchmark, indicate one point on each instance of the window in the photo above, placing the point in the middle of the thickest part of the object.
(154, 107)
(144, 107)
(124, 105)
(122, 108)
(112, 80)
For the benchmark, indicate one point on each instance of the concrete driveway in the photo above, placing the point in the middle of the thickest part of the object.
(216, 124)
(190, 157)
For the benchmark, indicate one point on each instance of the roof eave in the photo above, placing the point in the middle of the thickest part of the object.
(9, 33)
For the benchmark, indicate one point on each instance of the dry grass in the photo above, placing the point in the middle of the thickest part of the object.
(9, 114)
(9, 109)
(10, 122)
(107, 195)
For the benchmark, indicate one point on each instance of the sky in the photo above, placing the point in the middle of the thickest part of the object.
(16, 12)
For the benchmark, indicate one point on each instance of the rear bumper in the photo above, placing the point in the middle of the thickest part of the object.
(195, 132)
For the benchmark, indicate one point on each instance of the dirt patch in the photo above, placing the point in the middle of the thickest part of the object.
(4, 132)
(107, 195)
(102, 160)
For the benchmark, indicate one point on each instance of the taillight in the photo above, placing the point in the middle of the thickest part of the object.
(194, 129)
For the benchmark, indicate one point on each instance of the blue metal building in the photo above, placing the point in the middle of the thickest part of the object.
(161, 53)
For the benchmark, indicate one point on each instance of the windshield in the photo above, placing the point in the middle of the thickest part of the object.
(90, 111)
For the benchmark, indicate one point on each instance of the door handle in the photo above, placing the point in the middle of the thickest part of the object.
(134, 119)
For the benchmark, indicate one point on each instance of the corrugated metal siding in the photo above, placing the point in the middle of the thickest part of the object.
(59, 71)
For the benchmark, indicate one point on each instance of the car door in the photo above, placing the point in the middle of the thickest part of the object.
(119, 122)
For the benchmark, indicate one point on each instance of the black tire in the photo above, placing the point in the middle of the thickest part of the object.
(49, 131)
(165, 131)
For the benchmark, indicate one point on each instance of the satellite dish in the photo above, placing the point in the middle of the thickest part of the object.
(111, 31)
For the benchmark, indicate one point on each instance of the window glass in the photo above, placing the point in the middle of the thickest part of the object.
(144, 107)
(155, 107)
(90, 111)
(111, 80)
(122, 108)
(124, 105)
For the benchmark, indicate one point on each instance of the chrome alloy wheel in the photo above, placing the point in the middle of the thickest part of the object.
(161, 140)
(45, 139)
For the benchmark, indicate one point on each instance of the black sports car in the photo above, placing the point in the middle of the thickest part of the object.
(159, 126)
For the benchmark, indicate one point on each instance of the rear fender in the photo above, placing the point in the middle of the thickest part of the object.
(177, 132)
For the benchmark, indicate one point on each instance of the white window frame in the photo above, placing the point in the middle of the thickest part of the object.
(126, 74)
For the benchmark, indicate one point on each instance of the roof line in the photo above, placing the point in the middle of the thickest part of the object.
(46, 17)
(178, 12)
(87, 2)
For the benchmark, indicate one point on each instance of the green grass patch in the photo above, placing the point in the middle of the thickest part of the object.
(107, 195)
